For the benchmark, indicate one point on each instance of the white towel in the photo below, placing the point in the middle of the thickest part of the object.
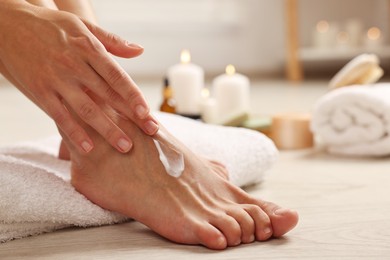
(354, 120)
(36, 195)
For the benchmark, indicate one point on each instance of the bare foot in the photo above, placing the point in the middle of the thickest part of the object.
(218, 167)
(196, 208)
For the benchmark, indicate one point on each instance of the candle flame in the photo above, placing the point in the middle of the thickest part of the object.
(374, 33)
(205, 93)
(322, 26)
(230, 69)
(185, 56)
(342, 37)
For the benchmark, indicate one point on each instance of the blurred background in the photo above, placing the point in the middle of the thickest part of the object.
(251, 34)
(263, 39)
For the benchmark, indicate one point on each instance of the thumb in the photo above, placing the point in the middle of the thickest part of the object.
(115, 44)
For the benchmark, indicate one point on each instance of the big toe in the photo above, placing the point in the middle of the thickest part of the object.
(282, 219)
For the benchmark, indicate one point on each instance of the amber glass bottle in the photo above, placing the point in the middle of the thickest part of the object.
(168, 104)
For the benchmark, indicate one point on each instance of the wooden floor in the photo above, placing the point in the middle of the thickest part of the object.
(344, 207)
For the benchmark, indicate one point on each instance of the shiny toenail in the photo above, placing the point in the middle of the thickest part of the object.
(267, 230)
(252, 238)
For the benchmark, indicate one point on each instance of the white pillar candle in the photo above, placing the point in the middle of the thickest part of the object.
(187, 81)
(343, 40)
(209, 109)
(325, 35)
(374, 38)
(231, 91)
(354, 27)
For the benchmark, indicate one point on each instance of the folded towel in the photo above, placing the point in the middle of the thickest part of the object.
(354, 120)
(36, 195)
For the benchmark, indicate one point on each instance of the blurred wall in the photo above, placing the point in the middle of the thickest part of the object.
(246, 33)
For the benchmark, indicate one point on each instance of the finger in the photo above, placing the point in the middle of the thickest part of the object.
(99, 87)
(115, 44)
(89, 112)
(120, 82)
(61, 116)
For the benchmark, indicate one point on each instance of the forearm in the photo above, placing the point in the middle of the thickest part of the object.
(81, 8)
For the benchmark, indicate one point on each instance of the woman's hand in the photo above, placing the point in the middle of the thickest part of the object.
(56, 58)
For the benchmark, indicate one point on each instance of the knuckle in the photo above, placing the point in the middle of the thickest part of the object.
(116, 76)
(60, 118)
(110, 133)
(112, 38)
(74, 134)
(87, 111)
(88, 44)
(133, 96)
(112, 95)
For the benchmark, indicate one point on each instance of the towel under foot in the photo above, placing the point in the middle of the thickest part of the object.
(37, 197)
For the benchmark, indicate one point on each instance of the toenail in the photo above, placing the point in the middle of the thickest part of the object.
(221, 242)
(237, 242)
(252, 238)
(267, 230)
(281, 211)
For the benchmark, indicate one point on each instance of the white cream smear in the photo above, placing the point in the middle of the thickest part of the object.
(172, 159)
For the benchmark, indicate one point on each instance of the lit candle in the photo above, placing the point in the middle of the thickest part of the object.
(324, 35)
(354, 28)
(209, 107)
(187, 81)
(374, 38)
(231, 91)
(343, 40)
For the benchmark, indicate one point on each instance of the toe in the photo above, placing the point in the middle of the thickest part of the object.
(283, 220)
(210, 237)
(246, 222)
(229, 227)
(263, 226)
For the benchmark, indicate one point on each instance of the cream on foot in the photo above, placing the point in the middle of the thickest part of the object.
(199, 207)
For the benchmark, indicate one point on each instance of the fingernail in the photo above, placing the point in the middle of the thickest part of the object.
(252, 238)
(237, 242)
(124, 145)
(141, 111)
(267, 230)
(134, 45)
(281, 211)
(87, 147)
(151, 127)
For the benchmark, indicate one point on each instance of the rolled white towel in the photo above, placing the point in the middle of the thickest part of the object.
(354, 120)
(36, 195)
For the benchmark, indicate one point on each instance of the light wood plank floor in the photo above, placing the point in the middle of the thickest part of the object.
(344, 203)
